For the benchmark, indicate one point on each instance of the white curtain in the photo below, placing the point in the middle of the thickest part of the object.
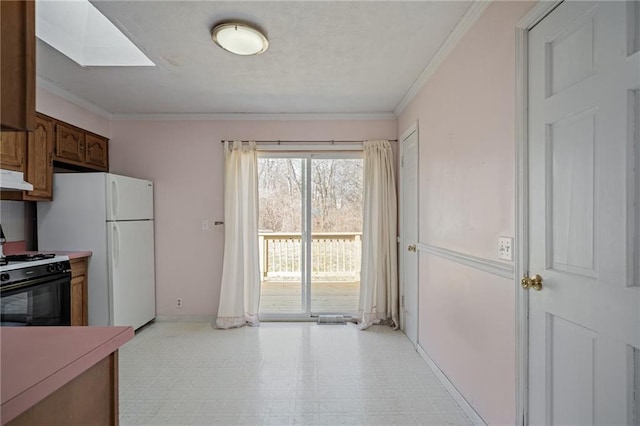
(379, 278)
(240, 289)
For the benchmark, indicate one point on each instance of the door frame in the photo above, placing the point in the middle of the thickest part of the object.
(413, 128)
(308, 155)
(521, 267)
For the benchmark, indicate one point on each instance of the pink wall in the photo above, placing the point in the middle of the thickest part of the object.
(54, 106)
(185, 161)
(466, 130)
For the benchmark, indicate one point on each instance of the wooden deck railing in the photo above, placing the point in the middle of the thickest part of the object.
(334, 256)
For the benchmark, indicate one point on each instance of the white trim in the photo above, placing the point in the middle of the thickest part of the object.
(502, 269)
(535, 15)
(457, 396)
(207, 319)
(413, 128)
(67, 95)
(465, 23)
(236, 116)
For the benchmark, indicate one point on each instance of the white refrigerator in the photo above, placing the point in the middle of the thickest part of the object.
(112, 216)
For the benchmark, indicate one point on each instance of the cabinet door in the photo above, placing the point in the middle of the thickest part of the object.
(69, 143)
(77, 300)
(40, 160)
(12, 146)
(97, 154)
(17, 65)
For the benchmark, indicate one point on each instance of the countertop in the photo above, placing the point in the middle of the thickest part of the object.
(18, 247)
(36, 361)
(71, 254)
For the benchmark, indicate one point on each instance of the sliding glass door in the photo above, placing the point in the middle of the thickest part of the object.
(310, 233)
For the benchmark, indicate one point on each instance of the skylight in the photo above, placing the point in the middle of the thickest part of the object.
(81, 32)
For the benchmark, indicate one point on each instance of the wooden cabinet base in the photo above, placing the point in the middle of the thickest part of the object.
(79, 314)
(89, 399)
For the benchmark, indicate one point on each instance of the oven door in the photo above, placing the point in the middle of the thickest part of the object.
(41, 302)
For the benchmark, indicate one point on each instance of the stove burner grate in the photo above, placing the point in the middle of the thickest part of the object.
(27, 257)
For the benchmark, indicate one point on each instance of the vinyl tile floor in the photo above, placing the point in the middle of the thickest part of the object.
(278, 374)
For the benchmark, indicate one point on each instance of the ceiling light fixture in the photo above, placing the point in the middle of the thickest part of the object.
(239, 38)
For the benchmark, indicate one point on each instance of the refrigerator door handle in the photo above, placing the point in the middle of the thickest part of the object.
(116, 245)
(114, 199)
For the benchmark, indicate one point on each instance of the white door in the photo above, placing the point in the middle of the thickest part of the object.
(584, 324)
(131, 265)
(128, 198)
(409, 235)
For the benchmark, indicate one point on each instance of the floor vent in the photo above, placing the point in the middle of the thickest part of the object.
(331, 320)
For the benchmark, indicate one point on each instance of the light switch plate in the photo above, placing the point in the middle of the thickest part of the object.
(505, 245)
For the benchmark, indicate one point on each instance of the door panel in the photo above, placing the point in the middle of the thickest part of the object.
(282, 251)
(40, 158)
(571, 205)
(583, 216)
(410, 236)
(336, 191)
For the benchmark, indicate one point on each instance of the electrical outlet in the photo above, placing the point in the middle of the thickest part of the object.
(505, 245)
(179, 302)
(205, 225)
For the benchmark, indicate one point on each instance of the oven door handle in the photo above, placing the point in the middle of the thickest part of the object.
(37, 281)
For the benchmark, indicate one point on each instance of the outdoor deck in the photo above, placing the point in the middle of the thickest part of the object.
(338, 297)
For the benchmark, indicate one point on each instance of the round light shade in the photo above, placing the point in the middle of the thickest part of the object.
(239, 38)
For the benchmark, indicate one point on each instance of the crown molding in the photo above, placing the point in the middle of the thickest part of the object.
(67, 95)
(236, 116)
(239, 116)
(465, 23)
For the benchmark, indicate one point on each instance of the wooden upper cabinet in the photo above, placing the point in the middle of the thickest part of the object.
(17, 65)
(40, 159)
(79, 149)
(96, 152)
(12, 146)
(69, 143)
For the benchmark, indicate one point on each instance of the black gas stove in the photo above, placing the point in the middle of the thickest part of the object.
(35, 290)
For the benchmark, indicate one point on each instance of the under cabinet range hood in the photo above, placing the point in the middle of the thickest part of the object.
(13, 181)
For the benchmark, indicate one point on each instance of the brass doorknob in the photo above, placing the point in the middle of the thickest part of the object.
(534, 282)
(412, 247)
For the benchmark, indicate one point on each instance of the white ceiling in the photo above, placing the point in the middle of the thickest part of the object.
(323, 57)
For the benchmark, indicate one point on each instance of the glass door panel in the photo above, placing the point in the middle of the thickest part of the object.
(281, 189)
(310, 223)
(336, 230)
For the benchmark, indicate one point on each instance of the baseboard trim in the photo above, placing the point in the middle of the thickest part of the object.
(457, 396)
(502, 269)
(185, 318)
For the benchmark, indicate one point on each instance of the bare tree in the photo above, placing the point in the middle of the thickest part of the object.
(336, 194)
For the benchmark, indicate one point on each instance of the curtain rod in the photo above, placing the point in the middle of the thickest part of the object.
(303, 142)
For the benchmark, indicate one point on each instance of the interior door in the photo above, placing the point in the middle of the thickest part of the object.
(409, 235)
(584, 323)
